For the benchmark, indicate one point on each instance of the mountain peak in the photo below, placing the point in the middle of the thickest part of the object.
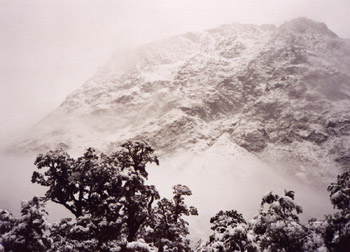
(281, 94)
(307, 26)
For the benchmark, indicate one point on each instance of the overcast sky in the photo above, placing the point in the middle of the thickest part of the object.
(49, 48)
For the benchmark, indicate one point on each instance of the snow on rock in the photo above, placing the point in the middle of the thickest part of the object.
(280, 93)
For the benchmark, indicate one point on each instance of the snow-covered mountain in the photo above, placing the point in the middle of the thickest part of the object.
(280, 93)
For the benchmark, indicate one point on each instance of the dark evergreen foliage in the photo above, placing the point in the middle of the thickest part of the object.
(30, 232)
(230, 233)
(168, 230)
(276, 228)
(338, 231)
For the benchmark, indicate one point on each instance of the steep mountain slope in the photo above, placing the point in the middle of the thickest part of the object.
(280, 93)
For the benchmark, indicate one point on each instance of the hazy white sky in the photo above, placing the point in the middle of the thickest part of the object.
(49, 48)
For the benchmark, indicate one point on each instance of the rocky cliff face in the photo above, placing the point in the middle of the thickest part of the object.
(281, 93)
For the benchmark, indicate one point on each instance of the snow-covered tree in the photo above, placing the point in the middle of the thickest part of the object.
(277, 228)
(107, 194)
(137, 196)
(82, 236)
(314, 241)
(61, 178)
(30, 232)
(340, 192)
(60, 233)
(338, 230)
(230, 233)
(7, 221)
(167, 229)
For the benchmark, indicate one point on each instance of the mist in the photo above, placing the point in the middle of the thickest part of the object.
(237, 181)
